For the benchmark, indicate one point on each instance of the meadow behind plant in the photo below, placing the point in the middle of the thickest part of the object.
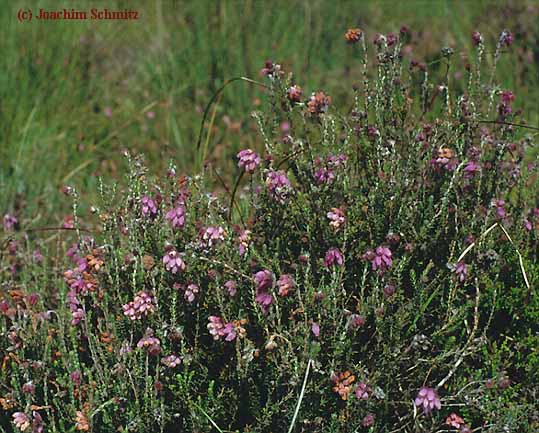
(61, 80)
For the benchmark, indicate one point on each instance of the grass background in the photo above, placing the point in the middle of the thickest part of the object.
(59, 79)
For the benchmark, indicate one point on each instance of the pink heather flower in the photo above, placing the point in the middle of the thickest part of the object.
(380, 258)
(68, 222)
(278, 185)
(76, 377)
(32, 299)
(528, 225)
(218, 329)
(285, 283)
(355, 321)
(173, 262)
(231, 287)
(454, 420)
(77, 316)
(248, 160)
(323, 175)
(427, 398)
(213, 235)
(9, 222)
(190, 292)
(471, 169)
(500, 208)
(21, 421)
(368, 420)
(171, 361)
(363, 391)
(148, 207)
(461, 271)
(140, 307)
(176, 217)
(264, 281)
(389, 290)
(336, 218)
(294, 93)
(150, 343)
(506, 38)
(318, 103)
(336, 160)
(37, 257)
(243, 241)
(333, 258)
(271, 70)
(315, 329)
(37, 423)
(29, 388)
(477, 38)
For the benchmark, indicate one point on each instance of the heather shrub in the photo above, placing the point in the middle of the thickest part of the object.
(373, 268)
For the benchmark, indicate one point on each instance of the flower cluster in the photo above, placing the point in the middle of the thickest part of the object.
(428, 400)
(148, 207)
(212, 236)
(140, 307)
(336, 218)
(176, 216)
(227, 331)
(173, 261)
(318, 103)
(149, 343)
(248, 160)
(381, 259)
(278, 185)
(264, 281)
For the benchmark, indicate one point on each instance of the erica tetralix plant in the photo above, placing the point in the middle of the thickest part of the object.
(374, 269)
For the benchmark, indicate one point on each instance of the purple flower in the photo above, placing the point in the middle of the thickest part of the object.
(76, 377)
(37, 257)
(323, 175)
(9, 222)
(176, 216)
(471, 169)
(231, 287)
(355, 321)
(500, 208)
(150, 343)
(218, 329)
(140, 307)
(173, 262)
(37, 423)
(336, 160)
(171, 361)
(389, 290)
(506, 38)
(264, 281)
(243, 240)
(190, 292)
(278, 185)
(368, 420)
(461, 271)
(21, 421)
(149, 208)
(271, 70)
(336, 218)
(77, 316)
(428, 399)
(213, 235)
(285, 283)
(333, 258)
(29, 388)
(381, 259)
(477, 38)
(363, 391)
(315, 329)
(248, 160)
(294, 93)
